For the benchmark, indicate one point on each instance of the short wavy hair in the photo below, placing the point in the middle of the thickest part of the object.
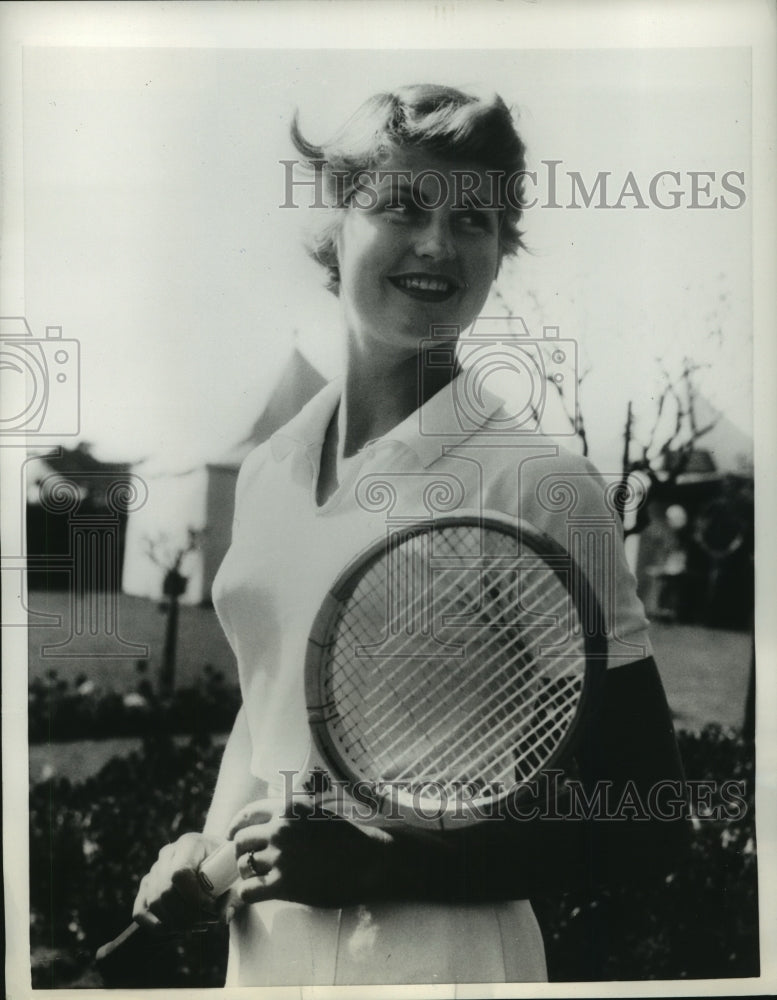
(456, 126)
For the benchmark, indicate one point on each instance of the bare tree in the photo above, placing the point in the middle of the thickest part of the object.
(673, 437)
(575, 413)
(173, 587)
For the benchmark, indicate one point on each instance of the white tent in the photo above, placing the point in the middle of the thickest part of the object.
(202, 499)
(730, 447)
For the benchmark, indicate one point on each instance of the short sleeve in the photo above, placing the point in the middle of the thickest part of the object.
(564, 496)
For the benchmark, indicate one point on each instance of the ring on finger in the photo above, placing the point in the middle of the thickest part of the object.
(254, 869)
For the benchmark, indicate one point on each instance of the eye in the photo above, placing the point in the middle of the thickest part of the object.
(398, 207)
(473, 218)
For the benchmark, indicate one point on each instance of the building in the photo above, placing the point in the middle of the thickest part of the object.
(202, 499)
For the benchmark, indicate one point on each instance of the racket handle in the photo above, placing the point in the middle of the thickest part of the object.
(219, 870)
(105, 951)
(215, 875)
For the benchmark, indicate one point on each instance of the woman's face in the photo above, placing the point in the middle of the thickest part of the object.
(408, 259)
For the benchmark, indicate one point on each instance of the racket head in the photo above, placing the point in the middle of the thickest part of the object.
(451, 663)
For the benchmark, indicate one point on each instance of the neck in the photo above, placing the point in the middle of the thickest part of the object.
(381, 393)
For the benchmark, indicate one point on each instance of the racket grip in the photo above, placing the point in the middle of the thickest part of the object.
(215, 875)
(219, 870)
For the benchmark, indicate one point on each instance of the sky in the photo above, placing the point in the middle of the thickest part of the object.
(153, 232)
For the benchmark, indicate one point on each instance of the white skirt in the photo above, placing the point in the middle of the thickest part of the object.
(287, 944)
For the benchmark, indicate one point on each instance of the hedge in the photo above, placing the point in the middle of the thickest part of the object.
(90, 841)
(59, 710)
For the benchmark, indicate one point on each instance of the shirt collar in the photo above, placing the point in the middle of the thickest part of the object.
(445, 420)
(449, 418)
(308, 428)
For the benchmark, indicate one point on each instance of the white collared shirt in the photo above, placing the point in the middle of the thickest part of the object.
(287, 550)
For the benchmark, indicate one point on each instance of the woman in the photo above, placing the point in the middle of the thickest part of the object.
(424, 188)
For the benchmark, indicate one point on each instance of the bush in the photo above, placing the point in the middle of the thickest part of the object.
(702, 922)
(60, 711)
(90, 842)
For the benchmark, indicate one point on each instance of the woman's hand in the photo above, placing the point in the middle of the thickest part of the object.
(169, 896)
(307, 856)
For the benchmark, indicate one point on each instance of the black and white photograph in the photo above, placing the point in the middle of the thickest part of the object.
(387, 436)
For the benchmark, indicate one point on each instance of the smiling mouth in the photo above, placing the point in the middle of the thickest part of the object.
(427, 288)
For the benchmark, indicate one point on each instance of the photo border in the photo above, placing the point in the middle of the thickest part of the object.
(385, 24)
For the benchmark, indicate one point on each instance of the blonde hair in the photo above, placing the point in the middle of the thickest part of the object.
(445, 121)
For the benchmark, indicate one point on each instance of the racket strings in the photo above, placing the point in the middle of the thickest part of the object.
(519, 719)
(532, 752)
(431, 692)
(508, 638)
(494, 752)
(498, 713)
(498, 634)
(489, 706)
(488, 617)
(411, 644)
(498, 710)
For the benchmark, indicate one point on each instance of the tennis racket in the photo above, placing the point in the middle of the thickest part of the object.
(450, 664)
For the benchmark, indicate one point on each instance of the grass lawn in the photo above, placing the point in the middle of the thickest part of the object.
(705, 671)
(139, 621)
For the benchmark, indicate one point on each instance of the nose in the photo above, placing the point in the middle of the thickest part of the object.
(435, 238)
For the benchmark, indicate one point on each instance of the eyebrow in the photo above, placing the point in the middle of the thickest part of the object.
(398, 184)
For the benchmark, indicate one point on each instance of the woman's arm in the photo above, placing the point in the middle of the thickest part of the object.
(235, 784)
(636, 828)
(627, 754)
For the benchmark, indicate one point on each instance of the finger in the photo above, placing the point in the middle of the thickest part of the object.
(252, 865)
(261, 811)
(257, 863)
(262, 887)
(188, 851)
(251, 838)
(140, 911)
(143, 896)
(151, 893)
(296, 809)
(162, 875)
(229, 904)
(187, 885)
(147, 920)
(173, 910)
